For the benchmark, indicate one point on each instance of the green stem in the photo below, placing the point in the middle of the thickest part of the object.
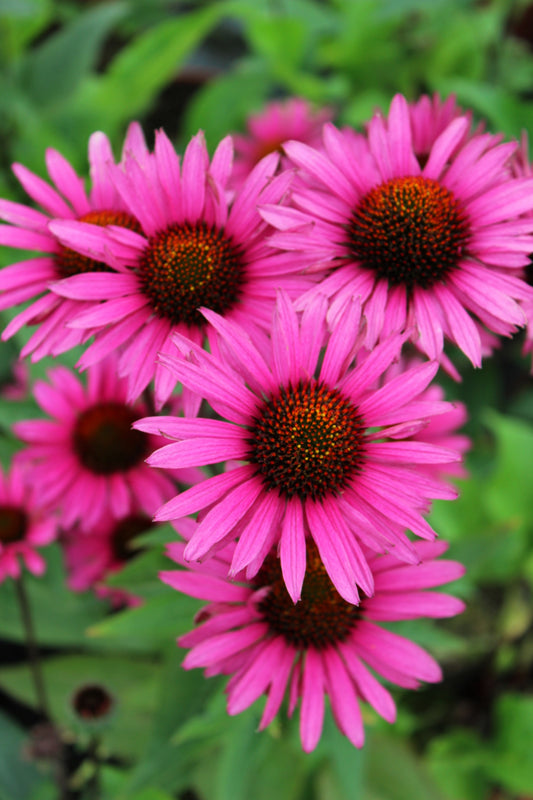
(33, 650)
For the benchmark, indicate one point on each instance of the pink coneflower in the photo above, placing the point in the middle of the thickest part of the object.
(429, 117)
(433, 247)
(87, 461)
(29, 230)
(90, 556)
(24, 526)
(316, 447)
(279, 121)
(321, 645)
(197, 249)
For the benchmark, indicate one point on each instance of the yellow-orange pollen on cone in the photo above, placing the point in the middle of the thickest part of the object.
(320, 619)
(105, 441)
(189, 266)
(69, 262)
(307, 440)
(409, 231)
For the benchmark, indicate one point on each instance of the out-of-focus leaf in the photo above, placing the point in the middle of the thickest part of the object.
(143, 67)
(280, 40)
(344, 764)
(457, 762)
(223, 104)
(132, 682)
(496, 104)
(159, 619)
(510, 488)
(394, 772)
(166, 763)
(18, 777)
(139, 575)
(511, 763)
(54, 70)
(21, 21)
(60, 616)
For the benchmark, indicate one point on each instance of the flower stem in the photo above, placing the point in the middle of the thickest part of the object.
(33, 650)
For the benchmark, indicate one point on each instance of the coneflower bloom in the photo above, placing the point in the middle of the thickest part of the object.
(316, 445)
(91, 556)
(24, 525)
(196, 249)
(28, 229)
(321, 645)
(434, 247)
(87, 461)
(279, 121)
(430, 116)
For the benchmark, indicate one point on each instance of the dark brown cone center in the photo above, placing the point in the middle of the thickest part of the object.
(105, 441)
(410, 231)
(307, 440)
(186, 267)
(320, 619)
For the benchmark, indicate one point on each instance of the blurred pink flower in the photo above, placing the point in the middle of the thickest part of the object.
(24, 525)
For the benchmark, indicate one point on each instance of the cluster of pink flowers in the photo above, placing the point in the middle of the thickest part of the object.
(280, 314)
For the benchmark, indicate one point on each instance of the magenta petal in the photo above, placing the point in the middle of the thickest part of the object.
(204, 493)
(312, 710)
(343, 698)
(292, 550)
(219, 522)
(369, 687)
(224, 645)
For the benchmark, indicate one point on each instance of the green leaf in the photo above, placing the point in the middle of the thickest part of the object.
(509, 490)
(143, 67)
(132, 682)
(60, 616)
(239, 93)
(159, 619)
(54, 70)
(18, 777)
(166, 763)
(511, 763)
(394, 772)
(457, 763)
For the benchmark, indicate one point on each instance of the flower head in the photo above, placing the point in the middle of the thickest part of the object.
(434, 247)
(28, 229)
(196, 249)
(321, 645)
(278, 122)
(87, 461)
(90, 556)
(24, 525)
(314, 442)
